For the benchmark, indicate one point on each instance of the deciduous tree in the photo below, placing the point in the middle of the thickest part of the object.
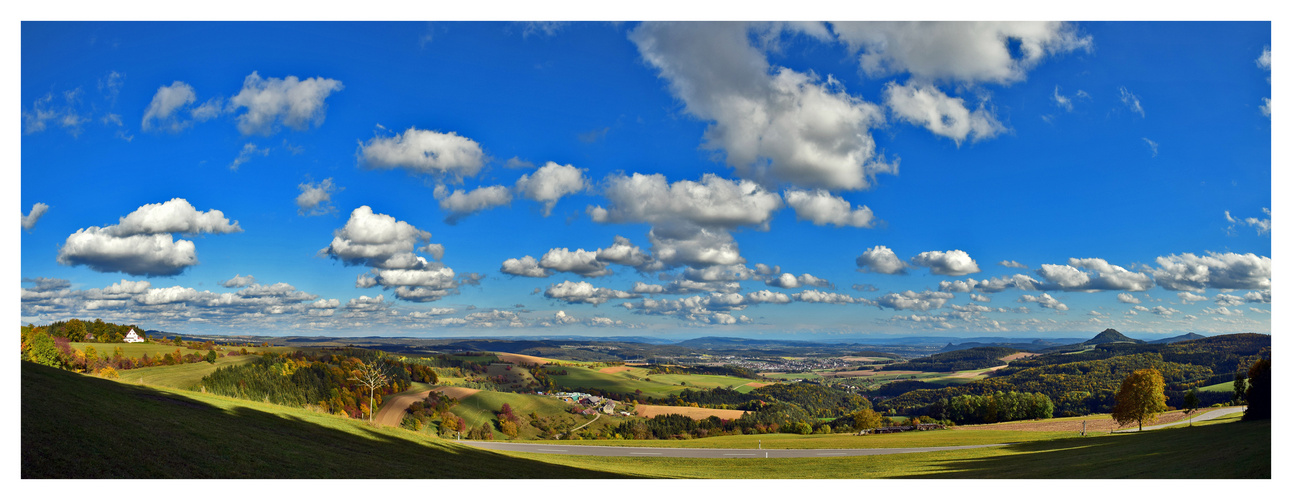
(1191, 403)
(371, 375)
(1258, 391)
(1141, 397)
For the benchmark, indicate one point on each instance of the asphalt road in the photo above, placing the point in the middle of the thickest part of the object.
(622, 451)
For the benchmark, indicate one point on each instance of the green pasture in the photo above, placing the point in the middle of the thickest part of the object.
(480, 409)
(947, 437)
(186, 376)
(1238, 450)
(136, 349)
(1221, 387)
(633, 379)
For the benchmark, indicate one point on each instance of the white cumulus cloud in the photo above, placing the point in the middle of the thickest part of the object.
(771, 122)
(549, 183)
(316, 199)
(929, 107)
(821, 207)
(880, 259)
(272, 102)
(1194, 273)
(461, 203)
(948, 263)
(165, 110)
(425, 151)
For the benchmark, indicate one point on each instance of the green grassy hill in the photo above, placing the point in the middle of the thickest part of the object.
(76, 426)
(632, 379)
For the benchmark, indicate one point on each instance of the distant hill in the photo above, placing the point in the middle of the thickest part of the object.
(1109, 336)
(736, 343)
(1178, 338)
(1033, 346)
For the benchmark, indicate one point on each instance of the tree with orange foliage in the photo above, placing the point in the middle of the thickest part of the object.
(1141, 398)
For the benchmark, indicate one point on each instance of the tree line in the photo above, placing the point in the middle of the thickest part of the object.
(975, 358)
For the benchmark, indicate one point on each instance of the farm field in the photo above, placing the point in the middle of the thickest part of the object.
(632, 379)
(687, 411)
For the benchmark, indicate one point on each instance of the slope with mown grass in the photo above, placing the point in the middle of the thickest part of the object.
(77, 426)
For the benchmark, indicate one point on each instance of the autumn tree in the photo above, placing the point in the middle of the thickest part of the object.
(1258, 391)
(866, 419)
(42, 349)
(371, 375)
(1140, 398)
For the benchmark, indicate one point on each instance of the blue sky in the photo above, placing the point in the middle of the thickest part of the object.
(813, 180)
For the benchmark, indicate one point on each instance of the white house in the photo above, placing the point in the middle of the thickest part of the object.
(133, 337)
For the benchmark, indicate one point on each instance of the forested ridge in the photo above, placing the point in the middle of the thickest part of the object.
(975, 358)
(1076, 388)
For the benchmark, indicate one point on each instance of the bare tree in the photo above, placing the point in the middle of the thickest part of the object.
(371, 375)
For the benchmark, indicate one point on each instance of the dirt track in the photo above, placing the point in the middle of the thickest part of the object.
(392, 412)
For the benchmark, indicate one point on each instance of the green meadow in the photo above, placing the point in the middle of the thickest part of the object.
(656, 385)
(167, 433)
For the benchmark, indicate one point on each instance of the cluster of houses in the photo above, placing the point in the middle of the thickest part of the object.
(591, 404)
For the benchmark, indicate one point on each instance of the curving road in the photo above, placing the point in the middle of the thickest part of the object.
(621, 451)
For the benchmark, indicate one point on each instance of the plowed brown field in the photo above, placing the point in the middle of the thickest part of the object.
(614, 369)
(521, 358)
(1017, 355)
(695, 413)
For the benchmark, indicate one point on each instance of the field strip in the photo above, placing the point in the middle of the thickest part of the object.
(621, 451)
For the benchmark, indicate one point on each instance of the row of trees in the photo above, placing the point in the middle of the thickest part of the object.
(998, 406)
(816, 400)
(348, 382)
(1077, 388)
(975, 358)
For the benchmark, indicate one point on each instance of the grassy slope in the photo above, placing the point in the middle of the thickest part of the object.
(135, 350)
(75, 426)
(186, 376)
(479, 409)
(635, 378)
(1237, 450)
(1221, 387)
(79, 426)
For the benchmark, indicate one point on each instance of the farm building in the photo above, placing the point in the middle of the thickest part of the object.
(133, 337)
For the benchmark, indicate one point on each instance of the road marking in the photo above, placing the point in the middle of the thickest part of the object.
(635, 453)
